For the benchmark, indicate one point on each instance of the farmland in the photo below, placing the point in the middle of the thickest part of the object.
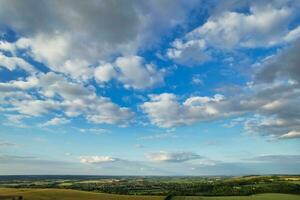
(134, 187)
(253, 197)
(54, 194)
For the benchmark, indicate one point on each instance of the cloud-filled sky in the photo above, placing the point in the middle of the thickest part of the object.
(158, 87)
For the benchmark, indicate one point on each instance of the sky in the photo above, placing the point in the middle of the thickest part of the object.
(158, 87)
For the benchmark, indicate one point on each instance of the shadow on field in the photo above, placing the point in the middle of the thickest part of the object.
(11, 197)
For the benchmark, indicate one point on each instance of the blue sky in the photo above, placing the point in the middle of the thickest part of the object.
(149, 87)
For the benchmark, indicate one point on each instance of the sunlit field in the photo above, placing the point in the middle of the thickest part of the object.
(54, 194)
(253, 197)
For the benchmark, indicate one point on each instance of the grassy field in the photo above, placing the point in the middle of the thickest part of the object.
(253, 197)
(57, 194)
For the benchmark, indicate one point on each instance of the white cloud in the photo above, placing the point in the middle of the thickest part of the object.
(77, 69)
(293, 35)
(163, 156)
(30, 82)
(56, 121)
(105, 73)
(34, 107)
(190, 53)
(165, 111)
(53, 92)
(52, 50)
(265, 25)
(290, 135)
(13, 63)
(78, 32)
(132, 71)
(96, 159)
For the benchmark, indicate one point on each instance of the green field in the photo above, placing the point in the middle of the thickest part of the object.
(253, 197)
(63, 194)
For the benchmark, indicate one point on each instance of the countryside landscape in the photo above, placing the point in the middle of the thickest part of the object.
(130, 187)
(150, 99)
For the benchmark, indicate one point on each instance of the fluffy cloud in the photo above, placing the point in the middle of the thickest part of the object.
(276, 85)
(53, 93)
(12, 63)
(73, 37)
(52, 51)
(13, 85)
(270, 100)
(165, 111)
(191, 52)
(96, 159)
(265, 25)
(163, 156)
(283, 65)
(105, 73)
(56, 121)
(79, 30)
(131, 71)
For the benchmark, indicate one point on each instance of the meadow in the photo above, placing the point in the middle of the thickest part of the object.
(252, 197)
(65, 194)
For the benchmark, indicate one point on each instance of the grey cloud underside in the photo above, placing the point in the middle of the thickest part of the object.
(272, 98)
(72, 38)
(284, 65)
(106, 27)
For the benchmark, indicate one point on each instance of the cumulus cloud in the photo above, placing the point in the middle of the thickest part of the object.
(56, 121)
(104, 73)
(175, 157)
(12, 63)
(131, 71)
(73, 37)
(265, 25)
(283, 65)
(164, 110)
(29, 82)
(276, 85)
(75, 30)
(270, 100)
(96, 159)
(55, 94)
(190, 53)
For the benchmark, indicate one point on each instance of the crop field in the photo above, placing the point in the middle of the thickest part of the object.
(151, 188)
(64, 194)
(252, 197)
